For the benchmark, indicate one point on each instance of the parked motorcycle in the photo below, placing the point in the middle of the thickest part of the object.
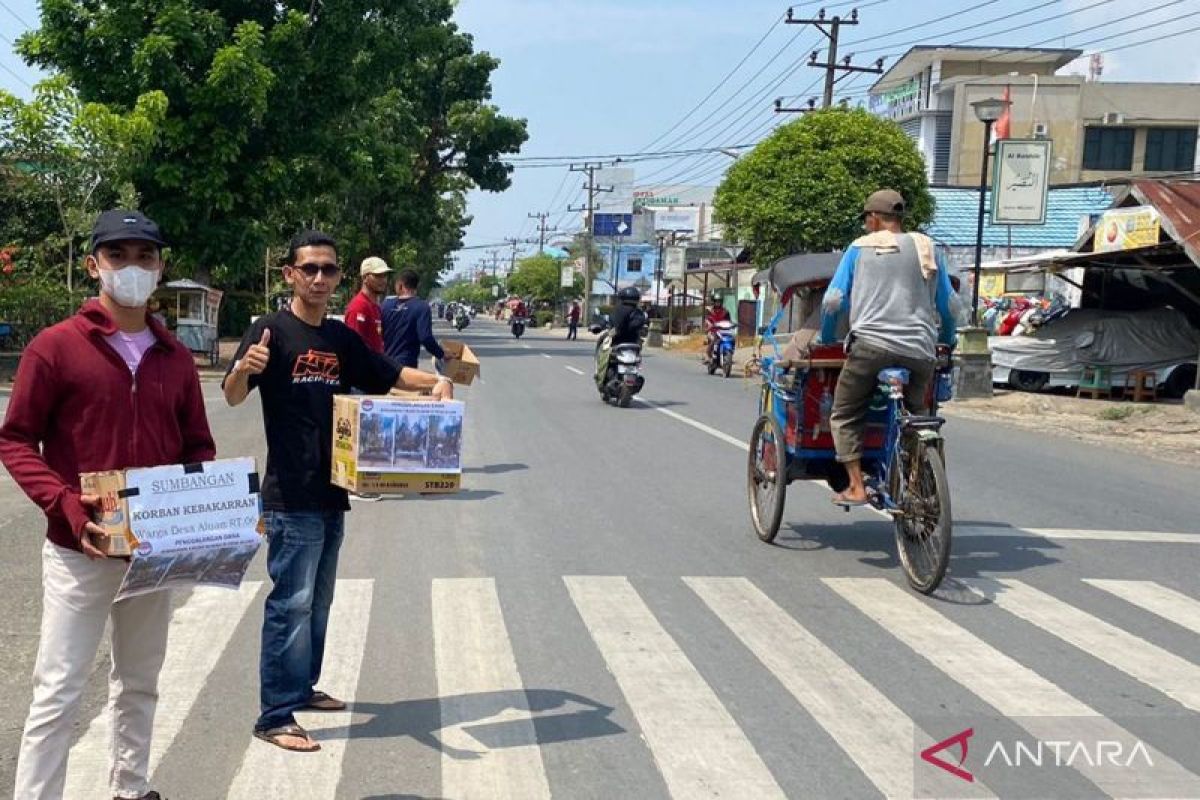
(720, 356)
(618, 369)
(518, 327)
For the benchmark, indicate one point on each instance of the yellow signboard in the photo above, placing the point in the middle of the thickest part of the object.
(1126, 229)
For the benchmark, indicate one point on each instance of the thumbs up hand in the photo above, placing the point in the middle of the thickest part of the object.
(257, 355)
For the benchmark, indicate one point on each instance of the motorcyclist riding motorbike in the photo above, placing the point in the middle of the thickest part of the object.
(716, 313)
(626, 327)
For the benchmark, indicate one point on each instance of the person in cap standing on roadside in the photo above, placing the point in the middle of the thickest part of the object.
(362, 312)
(299, 359)
(107, 389)
(896, 291)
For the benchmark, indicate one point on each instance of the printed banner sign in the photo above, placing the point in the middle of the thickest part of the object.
(1021, 181)
(195, 524)
(1127, 229)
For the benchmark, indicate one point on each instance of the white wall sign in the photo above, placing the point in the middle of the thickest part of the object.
(620, 199)
(1020, 181)
(676, 258)
(682, 219)
(567, 277)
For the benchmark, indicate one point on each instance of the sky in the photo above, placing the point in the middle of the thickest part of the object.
(596, 77)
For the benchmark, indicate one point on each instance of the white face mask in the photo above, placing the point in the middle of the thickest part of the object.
(129, 286)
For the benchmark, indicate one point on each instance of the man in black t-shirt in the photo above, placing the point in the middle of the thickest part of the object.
(298, 360)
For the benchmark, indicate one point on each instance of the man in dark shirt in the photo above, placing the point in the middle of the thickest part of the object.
(408, 323)
(298, 360)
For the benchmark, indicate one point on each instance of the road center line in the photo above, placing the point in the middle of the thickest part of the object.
(700, 426)
(576, 371)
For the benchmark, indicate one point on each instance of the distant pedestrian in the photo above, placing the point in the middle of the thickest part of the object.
(573, 316)
(362, 312)
(408, 323)
(299, 359)
(107, 389)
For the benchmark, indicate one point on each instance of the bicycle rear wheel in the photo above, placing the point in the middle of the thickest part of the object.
(766, 477)
(924, 524)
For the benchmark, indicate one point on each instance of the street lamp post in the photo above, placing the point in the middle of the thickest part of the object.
(987, 111)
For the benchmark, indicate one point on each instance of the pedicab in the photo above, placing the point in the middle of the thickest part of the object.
(193, 309)
(903, 458)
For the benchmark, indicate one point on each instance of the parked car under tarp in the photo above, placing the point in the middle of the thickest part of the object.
(1162, 340)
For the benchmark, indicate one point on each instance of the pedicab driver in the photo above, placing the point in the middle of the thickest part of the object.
(896, 290)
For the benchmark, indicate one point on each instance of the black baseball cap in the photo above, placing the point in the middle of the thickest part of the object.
(120, 224)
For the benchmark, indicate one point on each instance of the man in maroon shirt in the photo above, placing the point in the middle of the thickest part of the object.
(362, 312)
(107, 389)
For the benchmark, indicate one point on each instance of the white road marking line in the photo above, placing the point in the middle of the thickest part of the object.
(873, 731)
(547, 355)
(200, 631)
(1145, 537)
(527, 347)
(576, 371)
(1167, 603)
(698, 746)
(271, 772)
(1133, 655)
(700, 426)
(473, 656)
(1014, 690)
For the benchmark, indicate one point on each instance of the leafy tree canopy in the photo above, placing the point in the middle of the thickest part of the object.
(801, 189)
(539, 277)
(368, 118)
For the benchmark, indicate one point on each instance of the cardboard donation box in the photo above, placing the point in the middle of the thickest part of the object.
(181, 525)
(397, 445)
(462, 365)
(113, 517)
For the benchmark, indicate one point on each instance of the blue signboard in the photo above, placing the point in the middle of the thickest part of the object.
(612, 224)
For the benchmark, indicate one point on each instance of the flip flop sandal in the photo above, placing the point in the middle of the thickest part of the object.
(839, 500)
(272, 736)
(323, 702)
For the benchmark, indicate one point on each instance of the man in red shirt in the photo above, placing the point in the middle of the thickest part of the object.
(107, 389)
(362, 312)
(716, 313)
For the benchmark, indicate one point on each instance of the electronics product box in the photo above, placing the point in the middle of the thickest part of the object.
(397, 444)
(462, 365)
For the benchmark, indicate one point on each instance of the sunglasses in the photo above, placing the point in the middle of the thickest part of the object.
(310, 270)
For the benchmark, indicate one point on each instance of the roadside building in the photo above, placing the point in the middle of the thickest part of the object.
(1102, 130)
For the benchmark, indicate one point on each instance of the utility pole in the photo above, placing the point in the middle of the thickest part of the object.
(542, 229)
(831, 27)
(512, 261)
(592, 190)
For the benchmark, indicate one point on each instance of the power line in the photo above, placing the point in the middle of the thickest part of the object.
(9, 9)
(5, 67)
(527, 162)
(721, 83)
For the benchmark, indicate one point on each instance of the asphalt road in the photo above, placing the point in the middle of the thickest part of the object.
(592, 617)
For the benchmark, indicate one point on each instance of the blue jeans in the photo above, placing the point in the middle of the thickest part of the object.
(302, 556)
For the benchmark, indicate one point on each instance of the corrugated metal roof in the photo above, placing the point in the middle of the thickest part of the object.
(1178, 204)
(957, 213)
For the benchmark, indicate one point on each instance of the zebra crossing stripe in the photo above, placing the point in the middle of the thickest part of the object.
(699, 748)
(1017, 692)
(876, 734)
(272, 773)
(1136, 657)
(1167, 603)
(199, 632)
(1081, 534)
(474, 657)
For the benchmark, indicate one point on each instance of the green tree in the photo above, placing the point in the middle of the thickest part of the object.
(370, 119)
(476, 294)
(76, 151)
(539, 278)
(801, 189)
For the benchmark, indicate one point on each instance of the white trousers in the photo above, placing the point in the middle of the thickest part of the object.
(77, 598)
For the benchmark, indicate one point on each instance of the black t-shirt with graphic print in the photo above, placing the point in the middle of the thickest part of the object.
(308, 366)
